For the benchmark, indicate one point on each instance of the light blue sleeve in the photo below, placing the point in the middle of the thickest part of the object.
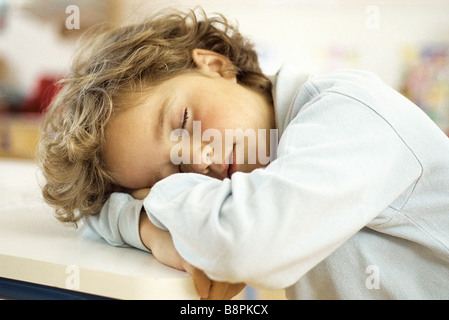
(339, 165)
(118, 221)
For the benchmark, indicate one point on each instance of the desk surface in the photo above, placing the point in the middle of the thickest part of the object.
(36, 248)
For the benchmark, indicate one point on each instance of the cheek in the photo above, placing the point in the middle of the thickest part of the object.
(220, 117)
(135, 167)
(217, 122)
(133, 176)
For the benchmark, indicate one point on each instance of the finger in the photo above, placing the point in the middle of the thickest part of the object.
(217, 290)
(202, 283)
(224, 290)
(233, 290)
(200, 279)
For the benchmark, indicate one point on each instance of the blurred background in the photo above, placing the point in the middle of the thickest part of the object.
(405, 42)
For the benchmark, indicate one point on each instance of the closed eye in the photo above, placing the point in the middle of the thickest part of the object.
(183, 126)
(185, 118)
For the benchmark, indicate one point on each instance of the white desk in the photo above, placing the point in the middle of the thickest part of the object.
(36, 248)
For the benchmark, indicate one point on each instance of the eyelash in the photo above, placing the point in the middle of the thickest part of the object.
(183, 126)
(185, 118)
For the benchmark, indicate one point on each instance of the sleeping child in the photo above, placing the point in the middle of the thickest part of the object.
(167, 137)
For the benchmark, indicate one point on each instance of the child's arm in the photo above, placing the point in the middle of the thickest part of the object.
(159, 242)
(161, 245)
(118, 221)
(123, 222)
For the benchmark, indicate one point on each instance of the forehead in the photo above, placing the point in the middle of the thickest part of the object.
(131, 148)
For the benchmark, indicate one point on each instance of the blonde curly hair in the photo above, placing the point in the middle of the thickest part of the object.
(108, 66)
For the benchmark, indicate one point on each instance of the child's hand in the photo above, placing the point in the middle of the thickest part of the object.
(207, 289)
(224, 290)
(161, 244)
(140, 194)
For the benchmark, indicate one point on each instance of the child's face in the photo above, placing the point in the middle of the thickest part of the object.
(139, 150)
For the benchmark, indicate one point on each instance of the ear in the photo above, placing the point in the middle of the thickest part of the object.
(214, 64)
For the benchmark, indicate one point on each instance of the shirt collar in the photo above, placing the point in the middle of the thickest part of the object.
(286, 84)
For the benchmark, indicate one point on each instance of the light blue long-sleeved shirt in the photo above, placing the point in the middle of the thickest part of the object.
(355, 205)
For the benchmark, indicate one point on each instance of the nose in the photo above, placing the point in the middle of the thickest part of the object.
(200, 161)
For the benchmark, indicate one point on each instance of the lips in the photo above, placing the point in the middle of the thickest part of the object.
(232, 165)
